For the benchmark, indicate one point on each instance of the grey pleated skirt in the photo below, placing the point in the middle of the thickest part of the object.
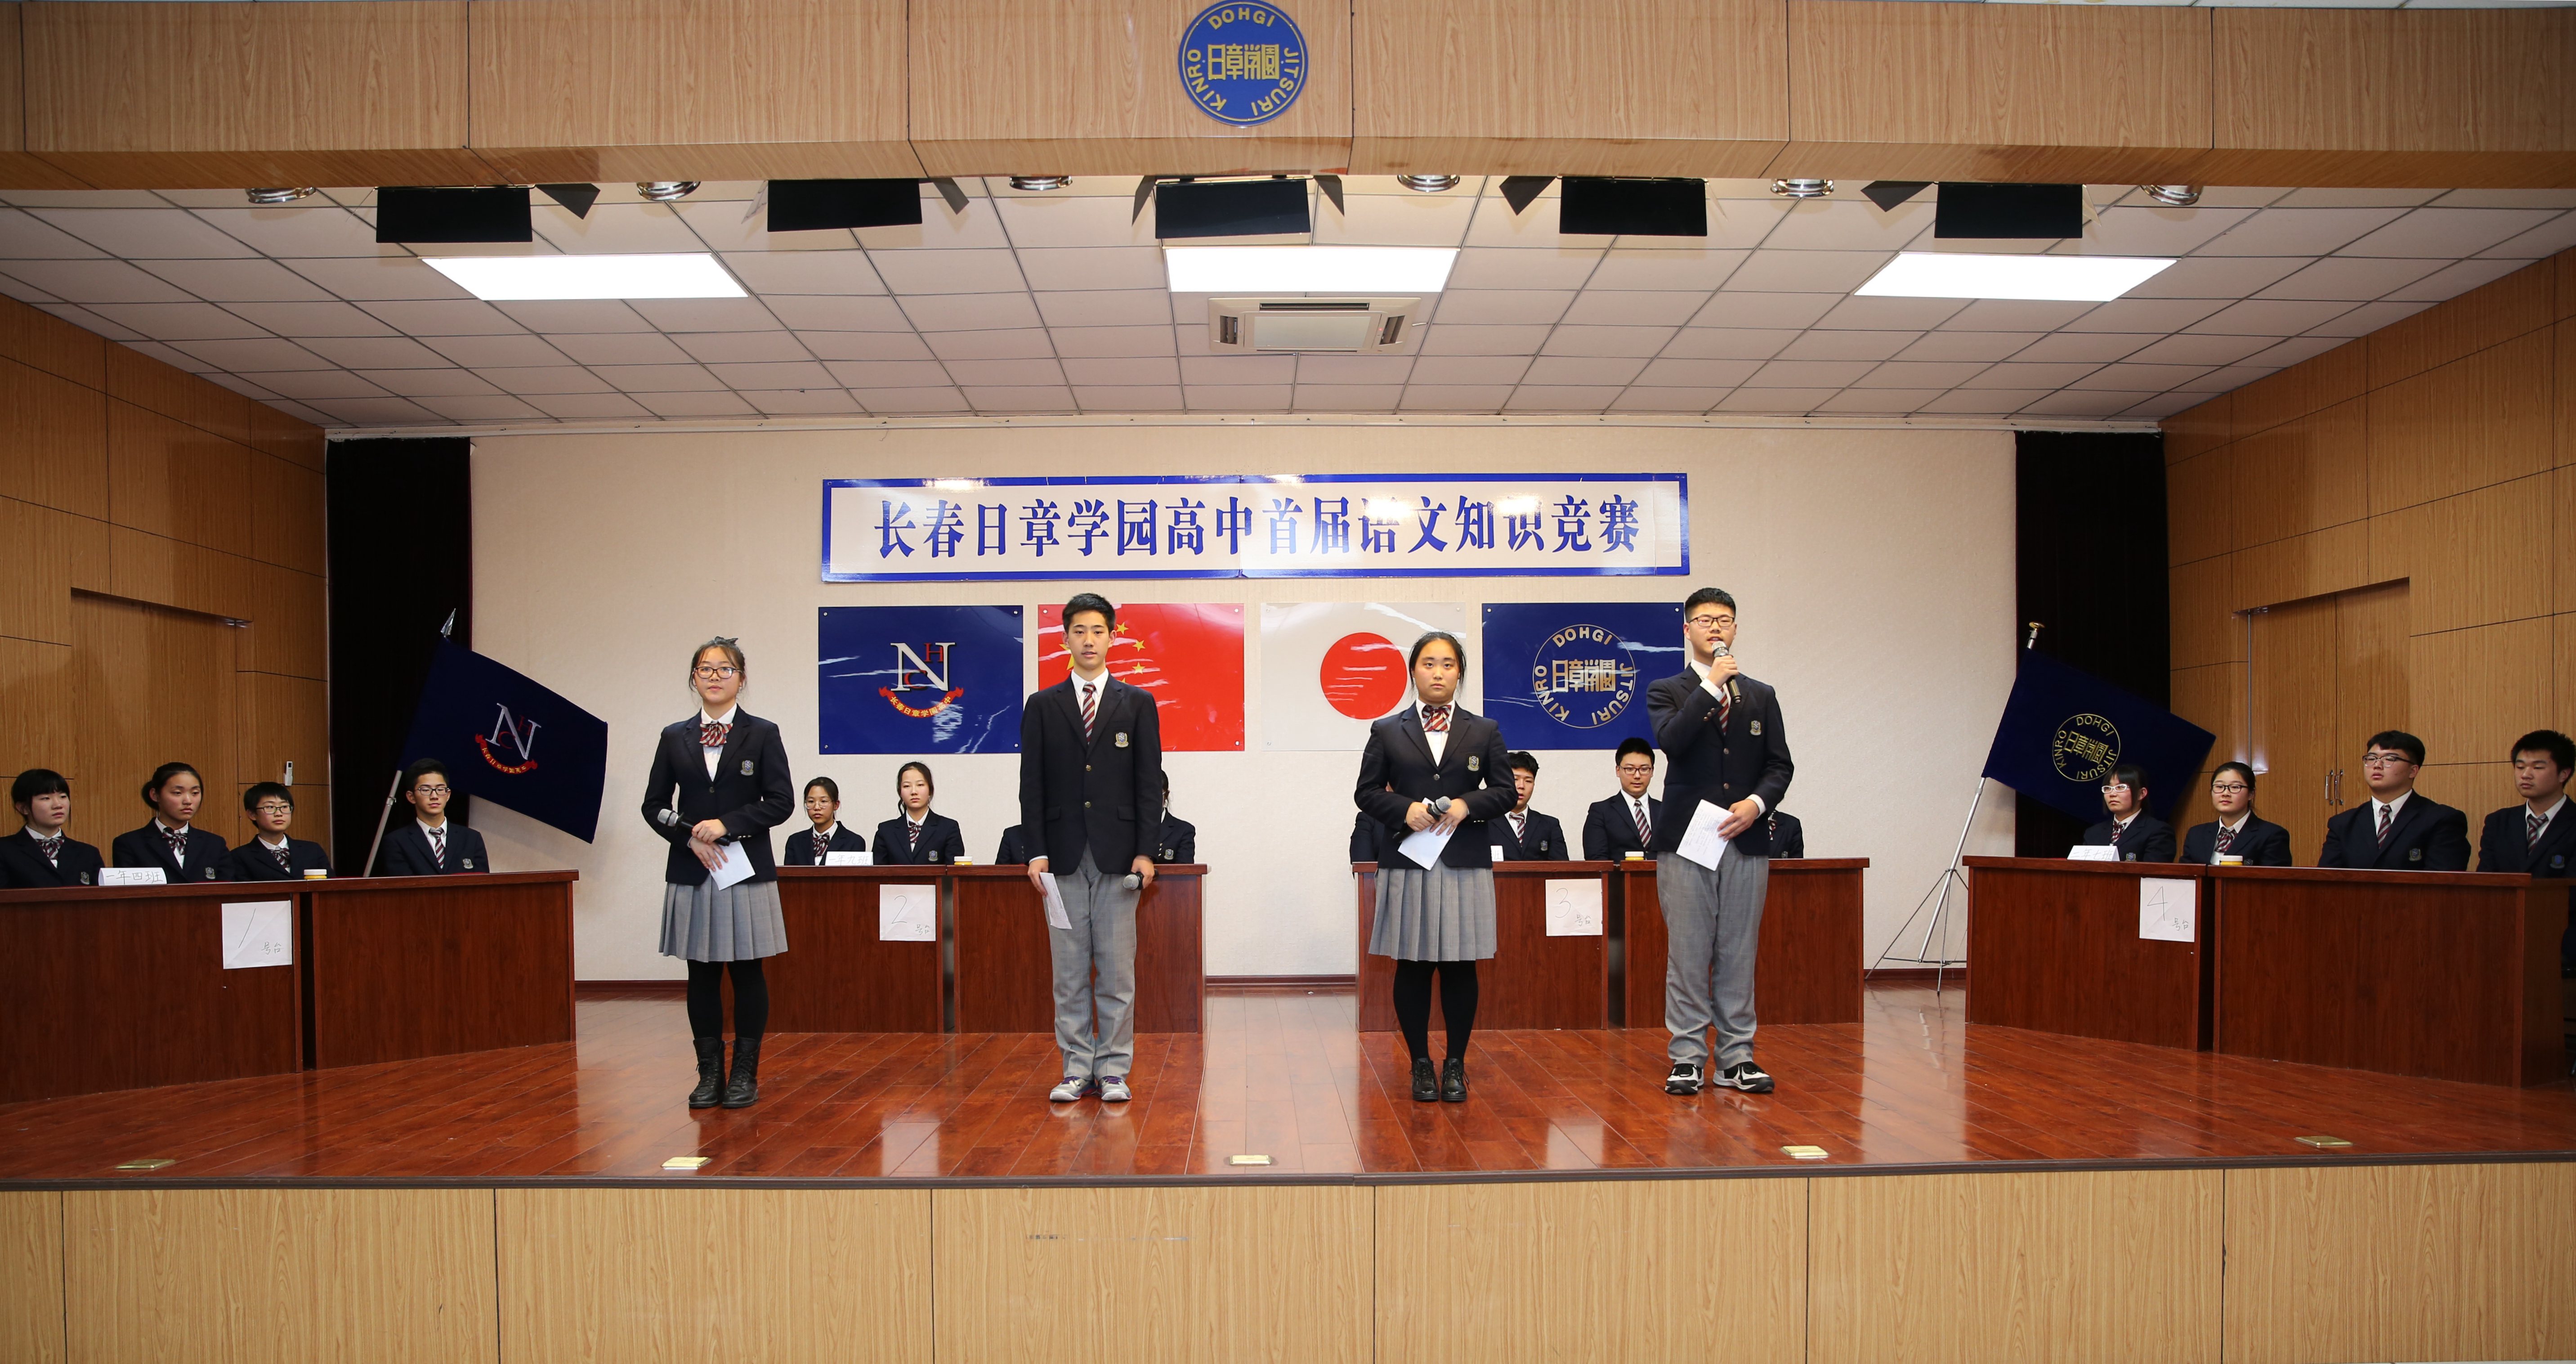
(737, 923)
(1434, 914)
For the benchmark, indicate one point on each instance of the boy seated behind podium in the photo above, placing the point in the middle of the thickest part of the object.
(271, 855)
(2237, 832)
(429, 843)
(1523, 834)
(172, 842)
(40, 855)
(2537, 836)
(1616, 826)
(1178, 839)
(2135, 834)
(2396, 829)
(808, 847)
(1788, 836)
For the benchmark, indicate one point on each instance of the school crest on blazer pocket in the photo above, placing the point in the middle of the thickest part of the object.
(1475, 761)
(746, 767)
(84, 878)
(1757, 729)
(1121, 740)
(210, 873)
(469, 864)
(2556, 863)
(2414, 854)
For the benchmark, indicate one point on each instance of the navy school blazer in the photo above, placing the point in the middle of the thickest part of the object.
(209, 857)
(752, 792)
(800, 845)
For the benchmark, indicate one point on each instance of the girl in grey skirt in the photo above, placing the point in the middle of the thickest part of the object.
(720, 779)
(1437, 919)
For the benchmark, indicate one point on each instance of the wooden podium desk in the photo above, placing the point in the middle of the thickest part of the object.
(1005, 978)
(835, 976)
(124, 987)
(1806, 968)
(2447, 975)
(397, 967)
(2053, 945)
(1533, 980)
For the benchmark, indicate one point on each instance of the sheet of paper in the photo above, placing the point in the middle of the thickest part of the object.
(1497, 851)
(736, 868)
(2092, 852)
(1424, 847)
(132, 876)
(845, 859)
(908, 913)
(1056, 916)
(258, 933)
(1701, 842)
(2168, 910)
(1574, 909)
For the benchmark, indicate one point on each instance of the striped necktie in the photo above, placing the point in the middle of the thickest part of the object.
(2534, 823)
(2386, 815)
(1090, 711)
(438, 846)
(1435, 719)
(1645, 829)
(2226, 839)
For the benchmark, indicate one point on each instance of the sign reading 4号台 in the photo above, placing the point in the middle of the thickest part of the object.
(1243, 61)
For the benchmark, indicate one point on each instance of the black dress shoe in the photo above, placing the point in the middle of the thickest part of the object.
(710, 1072)
(1426, 1081)
(1453, 1083)
(744, 1089)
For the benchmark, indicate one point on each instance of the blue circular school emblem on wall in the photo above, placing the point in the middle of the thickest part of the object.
(1583, 676)
(1243, 62)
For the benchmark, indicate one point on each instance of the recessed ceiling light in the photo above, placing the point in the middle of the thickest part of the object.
(1957, 274)
(1308, 269)
(674, 275)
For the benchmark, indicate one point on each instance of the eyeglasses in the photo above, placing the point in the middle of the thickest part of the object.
(2370, 759)
(1709, 622)
(2229, 788)
(1637, 769)
(277, 807)
(2115, 788)
(715, 671)
(429, 790)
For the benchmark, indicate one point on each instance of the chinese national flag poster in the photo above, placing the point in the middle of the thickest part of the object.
(1189, 657)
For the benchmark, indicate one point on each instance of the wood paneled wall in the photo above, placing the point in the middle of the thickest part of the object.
(149, 491)
(213, 95)
(2439, 450)
(2305, 1263)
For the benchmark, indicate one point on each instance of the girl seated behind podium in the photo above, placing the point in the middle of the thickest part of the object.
(40, 855)
(806, 847)
(171, 842)
(271, 855)
(719, 784)
(429, 843)
(917, 837)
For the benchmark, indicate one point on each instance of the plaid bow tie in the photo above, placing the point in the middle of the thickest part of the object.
(52, 847)
(178, 841)
(712, 735)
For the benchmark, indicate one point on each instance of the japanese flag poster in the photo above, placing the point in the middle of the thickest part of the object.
(1329, 668)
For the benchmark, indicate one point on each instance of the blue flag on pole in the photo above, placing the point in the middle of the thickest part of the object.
(507, 740)
(2064, 729)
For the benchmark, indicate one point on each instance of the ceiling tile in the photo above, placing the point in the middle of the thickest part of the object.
(368, 279)
(2290, 352)
(2353, 279)
(1684, 373)
(804, 272)
(2299, 231)
(923, 399)
(1128, 398)
(2449, 232)
(1667, 399)
(1522, 269)
(1779, 401)
(2354, 198)
(695, 404)
(1455, 397)
(1347, 397)
(1640, 342)
(381, 411)
(584, 315)
(1832, 272)
(1396, 220)
(2090, 347)
(144, 233)
(1504, 305)
(2162, 405)
(1098, 267)
(1809, 373)
(26, 238)
(240, 385)
(645, 379)
(839, 312)
(1594, 370)
(1633, 308)
(2145, 315)
(1885, 402)
(727, 226)
(1975, 402)
(253, 354)
(2270, 318)
(319, 384)
(1098, 307)
(706, 314)
(2231, 377)
(178, 321)
(479, 351)
(1112, 342)
(1438, 370)
(1353, 369)
(2002, 315)
(1561, 398)
(970, 312)
(864, 345)
(315, 230)
(426, 383)
(471, 407)
(1450, 338)
(802, 401)
(948, 272)
(620, 348)
(1729, 308)
(1236, 397)
(1019, 398)
(990, 345)
(1825, 345)
(1891, 314)
(544, 379)
(1237, 370)
(889, 373)
(1948, 345)
(2019, 374)
(1028, 373)
(1131, 372)
(939, 229)
(742, 347)
(2507, 198)
(2453, 280)
(2186, 350)
(2080, 404)
(614, 229)
(2368, 318)
(1075, 220)
(2218, 277)
(174, 357)
(1495, 224)
(465, 317)
(2151, 231)
(95, 281)
(1932, 374)
(308, 320)
(2548, 239)
(376, 352)
(1728, 343)
(775, 375)
(2140, 378)
(1853, 224)
(1630, 268)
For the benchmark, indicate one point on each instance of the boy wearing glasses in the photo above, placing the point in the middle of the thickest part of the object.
(2237, 832)
(2139, 836)
(271, 855)
(2396, 829)
(430, 844)
(1615, 826)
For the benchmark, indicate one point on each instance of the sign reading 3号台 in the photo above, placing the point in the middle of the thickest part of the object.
(1243, 61)
(1247, 526)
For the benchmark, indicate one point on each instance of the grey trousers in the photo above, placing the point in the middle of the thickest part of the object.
(1712, 926)
(1103, 938)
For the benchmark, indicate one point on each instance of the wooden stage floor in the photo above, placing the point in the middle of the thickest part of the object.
(1281, 1073)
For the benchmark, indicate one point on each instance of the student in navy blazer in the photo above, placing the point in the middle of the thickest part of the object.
(272, 854)
(2130, 832)
(40, 855)
(720, 782)
(2423, 834)
(429, 843)
(919, 836)
(2542, 762)
(1012, 853)
(2254, 840)
(1436, 920)
(1523, 834)
(806, 847)
(1176, 840)
(1616, 826)
(171, 841)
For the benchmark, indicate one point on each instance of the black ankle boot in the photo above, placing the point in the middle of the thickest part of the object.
(710, 1072)
(744, 1090)
(1426, 1081)
(1453, 1081)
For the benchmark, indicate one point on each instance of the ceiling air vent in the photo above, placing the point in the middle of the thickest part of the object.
(1345, 325)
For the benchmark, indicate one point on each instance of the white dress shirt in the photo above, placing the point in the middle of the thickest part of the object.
(716, 755)
(175, 854)
(2547, 817)
(1437, 738)
(2393, 807)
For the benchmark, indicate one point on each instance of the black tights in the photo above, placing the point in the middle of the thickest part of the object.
(706, 999)
(1457, 1004)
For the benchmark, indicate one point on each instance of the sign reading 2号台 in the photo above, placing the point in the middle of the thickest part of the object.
(1256, 526)
(1243, 61)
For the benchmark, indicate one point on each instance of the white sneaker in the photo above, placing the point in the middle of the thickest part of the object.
(1069, 1089)
(1113, 1089)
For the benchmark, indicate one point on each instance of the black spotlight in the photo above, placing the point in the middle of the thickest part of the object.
(406, 215)
(2025, 212)
(1231, 208)
(1590, 205)
(1889, 194)
(818, 205)
(576, 199)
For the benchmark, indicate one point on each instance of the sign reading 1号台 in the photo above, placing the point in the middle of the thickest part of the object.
(1243, 61)
(1256, 526)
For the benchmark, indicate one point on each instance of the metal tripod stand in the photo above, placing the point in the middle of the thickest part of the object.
(1941, 887)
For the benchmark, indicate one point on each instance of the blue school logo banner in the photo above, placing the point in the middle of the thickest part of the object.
(1574, 674)
(2063, 730)
(509, 740)
(918, 679)
(1243, 63)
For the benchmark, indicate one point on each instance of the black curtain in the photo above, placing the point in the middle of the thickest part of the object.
(401, 521)
(2090, 530)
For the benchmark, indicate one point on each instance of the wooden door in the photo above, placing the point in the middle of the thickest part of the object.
(157, 686)
(2294, 654)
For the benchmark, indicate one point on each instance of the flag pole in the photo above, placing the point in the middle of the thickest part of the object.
(394, 787)
(1951, 877)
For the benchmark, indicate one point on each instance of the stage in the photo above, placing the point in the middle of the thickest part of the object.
(1984, 1192)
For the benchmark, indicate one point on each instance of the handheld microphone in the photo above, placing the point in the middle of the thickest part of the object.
(667, 818)
(1734, 693)
(1133, 881)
